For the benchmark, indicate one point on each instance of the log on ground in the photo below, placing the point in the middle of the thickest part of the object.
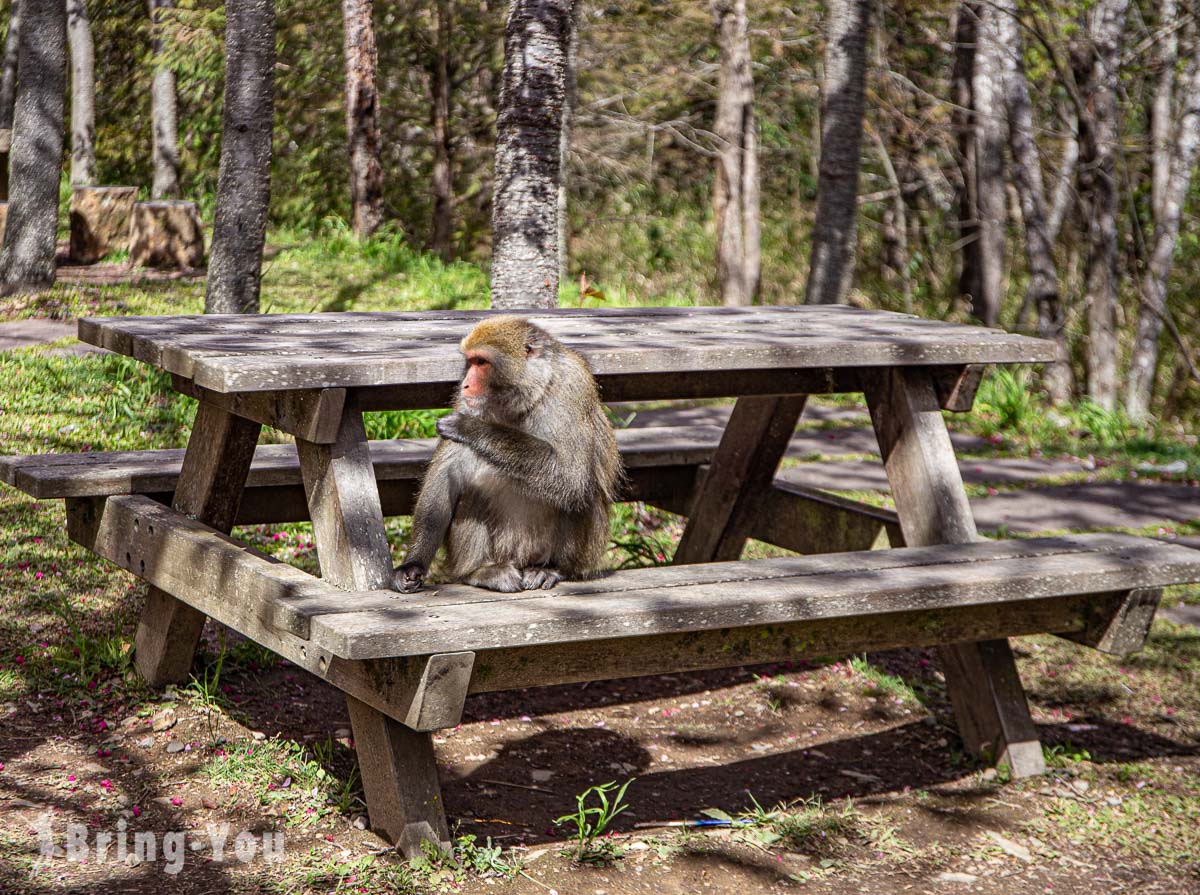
(166, 233)
(100, 217)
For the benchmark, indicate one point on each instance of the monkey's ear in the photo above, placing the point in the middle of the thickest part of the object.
(534, 344)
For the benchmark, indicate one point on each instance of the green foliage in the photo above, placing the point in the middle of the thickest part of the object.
(590, 822)
(1006, 394)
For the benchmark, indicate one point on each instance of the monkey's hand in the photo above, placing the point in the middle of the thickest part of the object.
(409, 577)
(453, 427)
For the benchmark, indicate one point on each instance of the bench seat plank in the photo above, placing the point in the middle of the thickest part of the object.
(561, 617)
(101, 474)
(222, 577)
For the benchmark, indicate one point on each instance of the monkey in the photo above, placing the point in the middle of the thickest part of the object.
(521, 484)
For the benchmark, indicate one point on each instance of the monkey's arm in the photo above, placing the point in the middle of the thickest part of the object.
(440, 491)
(546, 472)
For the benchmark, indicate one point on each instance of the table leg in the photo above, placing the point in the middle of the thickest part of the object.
(743, 468)
(989, 703)
(399, 774)
(215, 467)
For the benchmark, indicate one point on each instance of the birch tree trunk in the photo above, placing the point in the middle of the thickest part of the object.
(8, 90)
(529, 154)
(164, 114)
(735, 188)
(1160, 108)
(441, 80)
(966, 30)
(244, 179)
(570, 100)
(1043, 290)
(83, 95)
(27, 258)
(1144, 363)
(990, 192)
(835, 233)
(362, 117)
(1096, 58)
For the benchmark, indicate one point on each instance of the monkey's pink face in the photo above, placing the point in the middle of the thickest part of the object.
(475, 383)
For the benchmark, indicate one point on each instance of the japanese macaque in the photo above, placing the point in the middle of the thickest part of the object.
(521, 485)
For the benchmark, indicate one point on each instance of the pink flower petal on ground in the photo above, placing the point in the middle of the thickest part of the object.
(176, 801)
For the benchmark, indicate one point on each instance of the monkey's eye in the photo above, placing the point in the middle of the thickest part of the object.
(477, 361)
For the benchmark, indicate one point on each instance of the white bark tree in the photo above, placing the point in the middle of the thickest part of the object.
(990, 191)
(1043, 288)
(736, 185)
(27, 258)
(835, 231)
(164, 113)
(1183, 154)
(362, 117)
(83, 94)
(244, 179)
(529, 154)
(1096, 57)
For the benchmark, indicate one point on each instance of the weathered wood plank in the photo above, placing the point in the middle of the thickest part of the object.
(400, 780)
(274, 352)
(343, 503)
(728, 499)
(214, 470)
(1119, 623)
(103, 473)
(403, 629)
(981, 678)
(310, 415)
(596, 660)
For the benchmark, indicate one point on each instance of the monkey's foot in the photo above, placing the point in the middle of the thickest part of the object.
(539, 578)
(503, 577)
(409, 577)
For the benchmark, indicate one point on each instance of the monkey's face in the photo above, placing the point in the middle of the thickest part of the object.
(476, 384)
(509, 366)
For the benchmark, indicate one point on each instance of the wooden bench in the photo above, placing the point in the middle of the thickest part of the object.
(663, 466)
(415, 658)
(407, 663)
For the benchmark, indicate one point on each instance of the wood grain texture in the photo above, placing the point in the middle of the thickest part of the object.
(727, 502)
(400, 780)
(104, 473)
(981, 678)
(291, 351)
(312, 415)
(1119, 623)
(213, 472)
(343, 503)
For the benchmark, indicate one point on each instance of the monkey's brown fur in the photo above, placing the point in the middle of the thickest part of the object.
(522, 483)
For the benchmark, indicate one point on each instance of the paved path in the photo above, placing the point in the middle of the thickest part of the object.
(39, 331)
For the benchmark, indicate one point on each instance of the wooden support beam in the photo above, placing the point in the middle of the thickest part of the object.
(729, 498)
(310, 414)
(989, 704)
(1119, 623)
(343, 503)
(956, 386)
(215, 466)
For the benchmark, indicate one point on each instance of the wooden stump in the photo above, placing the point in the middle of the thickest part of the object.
(100, 221)
(166, 233)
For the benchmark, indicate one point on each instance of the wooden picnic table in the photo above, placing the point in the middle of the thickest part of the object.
(407, 662)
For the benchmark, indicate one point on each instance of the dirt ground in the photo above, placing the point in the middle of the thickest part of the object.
(922, 817)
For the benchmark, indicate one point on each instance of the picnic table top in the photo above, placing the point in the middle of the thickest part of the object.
(272, 352)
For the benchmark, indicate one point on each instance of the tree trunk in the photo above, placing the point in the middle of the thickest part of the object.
(990, 190)
(8, 90)
(83, 95)
(528, 154)
(1096, 57)
(244, 179)
(1160, 107)
(1043, 289)
(164, 115)
(735, 188)
(966, 29)
(1064, 189)
(1144, 363)
(564, 142)
(835, 233)
(362, 117)
(441, 79)
(27, 259)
